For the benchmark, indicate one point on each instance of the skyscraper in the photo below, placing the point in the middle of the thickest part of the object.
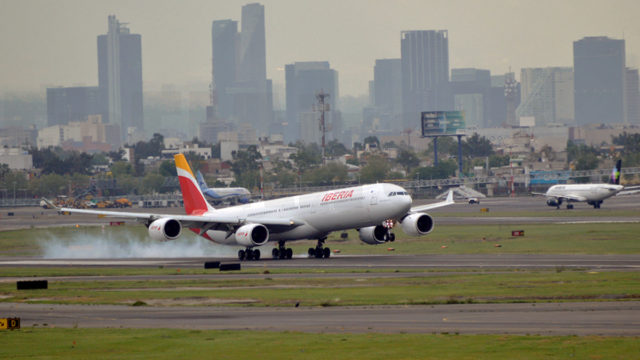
(470, 89)
(599, 71)
(120, 76)
(224, 34)
(632, 97)
(67, 104)
(425, 74)
(547, 95)
(304, 80)
(387, 92)
(242, 91)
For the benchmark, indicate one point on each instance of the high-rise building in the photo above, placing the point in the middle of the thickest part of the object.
(547, 95)
(242, 92)
(120, 77)
(67, 104)
(224, 34)
(470, 88)
(632, 97)
(425, 74)
(304, 80)
(387, 92)
(599, 72)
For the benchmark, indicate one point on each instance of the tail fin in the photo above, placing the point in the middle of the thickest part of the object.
(201, 182)
(615, 174)
(194, 201)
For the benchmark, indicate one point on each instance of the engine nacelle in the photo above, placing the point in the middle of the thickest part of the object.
(165, 229)
(554, 202)
(417, 224)
(373, 235)
(252, 235)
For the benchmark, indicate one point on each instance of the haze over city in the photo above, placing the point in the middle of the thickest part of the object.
(47, 43)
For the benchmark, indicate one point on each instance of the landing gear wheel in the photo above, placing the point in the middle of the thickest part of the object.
(326, 253)
(311, 252)
(289, 253)
(241, 255)
(318, 252)
(256, 254)
(275, 253)
(392, 237)
(249, 254)
(570, 206)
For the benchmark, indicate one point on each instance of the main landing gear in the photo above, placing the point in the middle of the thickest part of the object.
(281, 252)
(320, 252)
(249, 254)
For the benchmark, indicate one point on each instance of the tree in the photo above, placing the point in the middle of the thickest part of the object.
(325, 175)
(372, 140)
(443, 170)
(408, 160)
(308, 156)
(477, 146)
(246, 167)
(167, 168)
(335, 149)
(377, 169)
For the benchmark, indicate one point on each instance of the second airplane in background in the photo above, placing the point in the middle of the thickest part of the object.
(220, 194)
(371, 209)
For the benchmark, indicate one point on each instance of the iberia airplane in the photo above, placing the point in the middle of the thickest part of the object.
(371, 209)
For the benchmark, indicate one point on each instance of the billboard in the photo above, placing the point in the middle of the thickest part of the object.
(442, 122)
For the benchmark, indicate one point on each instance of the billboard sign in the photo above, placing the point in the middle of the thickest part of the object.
(442, 122)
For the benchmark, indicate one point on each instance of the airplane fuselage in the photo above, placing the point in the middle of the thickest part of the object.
(590, 192)
(321, 212)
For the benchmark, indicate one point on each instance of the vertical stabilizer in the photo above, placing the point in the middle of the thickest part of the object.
(201, 182)
(194, 201)
(615, 174)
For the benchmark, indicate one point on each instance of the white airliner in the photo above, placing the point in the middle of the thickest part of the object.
(217, 195)
(369, 208)
(592, 194)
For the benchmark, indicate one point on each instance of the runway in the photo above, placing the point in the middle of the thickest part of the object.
(458, 213)
(589, 318)
(389, 262)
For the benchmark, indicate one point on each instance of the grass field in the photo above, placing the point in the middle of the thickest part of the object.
(515, 286)
(133, 241)
(210, 344)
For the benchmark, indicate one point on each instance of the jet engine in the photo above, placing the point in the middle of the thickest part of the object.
(165, 229)
(417, 224)
(554, 202)
(252, 235)
(374, 235)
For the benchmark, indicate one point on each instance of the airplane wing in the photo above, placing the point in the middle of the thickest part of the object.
(422, 208)
(570, 197)
(187, 220)
(538, 193)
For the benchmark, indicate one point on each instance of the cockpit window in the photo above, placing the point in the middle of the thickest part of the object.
(393, 193)
(398, 193)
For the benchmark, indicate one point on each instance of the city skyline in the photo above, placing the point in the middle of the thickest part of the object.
(55, 47)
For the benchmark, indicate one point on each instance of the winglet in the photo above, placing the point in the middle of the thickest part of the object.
(194, 201)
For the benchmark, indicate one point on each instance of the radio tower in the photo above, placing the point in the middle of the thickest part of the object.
(322, 107)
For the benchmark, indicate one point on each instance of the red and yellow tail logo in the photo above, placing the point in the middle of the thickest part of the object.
(194, 201)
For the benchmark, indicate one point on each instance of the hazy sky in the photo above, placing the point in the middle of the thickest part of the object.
(53, 43)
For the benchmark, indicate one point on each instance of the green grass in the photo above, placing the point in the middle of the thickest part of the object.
(601, 238)
(516, 286)
(211, 344)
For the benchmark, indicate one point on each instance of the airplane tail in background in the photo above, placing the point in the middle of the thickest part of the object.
(201, 182)
(194, 201)
(615, 174)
